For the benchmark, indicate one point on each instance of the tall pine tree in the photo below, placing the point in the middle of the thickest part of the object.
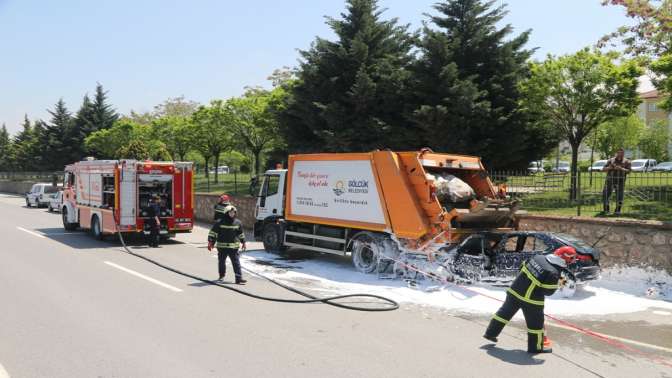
(103, 115)
(22, 146)
(466, 86)
(55, 140)
(351, 93)
(82, 126)
(5, 145)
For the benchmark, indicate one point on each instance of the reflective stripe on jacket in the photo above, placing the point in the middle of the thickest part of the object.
(537, 279)
(227, 233)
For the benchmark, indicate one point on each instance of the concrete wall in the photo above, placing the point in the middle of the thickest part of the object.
(631, 243)
(15, 187)
(204, 208)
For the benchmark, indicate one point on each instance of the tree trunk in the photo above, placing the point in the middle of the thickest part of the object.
(574, 189)
(257, 154)
(217, 168)
(207, 164)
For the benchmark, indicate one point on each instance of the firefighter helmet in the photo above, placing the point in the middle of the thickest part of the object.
(566, 253)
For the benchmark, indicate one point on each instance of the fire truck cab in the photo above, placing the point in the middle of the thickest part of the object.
(105, 195)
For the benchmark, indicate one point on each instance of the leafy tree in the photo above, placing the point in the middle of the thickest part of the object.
(176, 107)
(254, 123)
(650, 35)
(213, 132)
(655, 141)
(177, 134)
(622, 132)
(579, 92)
(467, 86)
(351, 93)
(125, 138)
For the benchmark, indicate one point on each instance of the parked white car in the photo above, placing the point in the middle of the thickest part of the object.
(563, 167)
(221, 170)
(536, 167)
(665, 166)
(39, 195)
(597, 166)
(56, 201)
(643, 165)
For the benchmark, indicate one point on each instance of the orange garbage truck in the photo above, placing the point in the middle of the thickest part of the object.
(378, 205)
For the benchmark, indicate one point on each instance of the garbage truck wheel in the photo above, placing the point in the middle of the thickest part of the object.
(272, 238)
(365, 253)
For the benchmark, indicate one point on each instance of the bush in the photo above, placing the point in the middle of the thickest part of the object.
(584, 165)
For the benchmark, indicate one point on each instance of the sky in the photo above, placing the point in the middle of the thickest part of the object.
(145, 51)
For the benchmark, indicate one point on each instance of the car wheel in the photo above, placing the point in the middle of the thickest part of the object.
(50, 209)
(27, 202)
(95, 228)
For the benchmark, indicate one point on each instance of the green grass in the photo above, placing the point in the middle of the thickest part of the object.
(647, 195)
(237, 184)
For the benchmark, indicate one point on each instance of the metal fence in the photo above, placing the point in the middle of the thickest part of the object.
(646, 195)
(48, 177)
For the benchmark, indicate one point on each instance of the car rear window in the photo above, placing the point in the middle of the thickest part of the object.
(50, 189)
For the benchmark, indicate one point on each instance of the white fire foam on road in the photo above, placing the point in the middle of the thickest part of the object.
(620, 290)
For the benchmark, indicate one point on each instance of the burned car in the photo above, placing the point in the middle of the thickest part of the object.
(496, 257)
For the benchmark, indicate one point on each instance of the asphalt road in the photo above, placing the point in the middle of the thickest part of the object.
(72, 306)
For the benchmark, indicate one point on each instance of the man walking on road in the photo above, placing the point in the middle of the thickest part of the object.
(617, 169)
(227, 236)
(538, 278)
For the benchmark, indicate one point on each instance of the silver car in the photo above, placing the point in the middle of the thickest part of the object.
(39, 195)
(597, 166)
(643, 165)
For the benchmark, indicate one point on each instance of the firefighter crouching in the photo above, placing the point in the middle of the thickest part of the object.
(538, 278)
(220, 207)
(227, 236)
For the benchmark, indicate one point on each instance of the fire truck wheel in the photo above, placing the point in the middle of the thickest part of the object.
(365, 253)
(271, 237)
(66, 225)
(95, 228)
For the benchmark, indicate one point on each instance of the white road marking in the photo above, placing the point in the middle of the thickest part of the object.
(32, 233)
(150, 279)
(3, 372)
(622, 339)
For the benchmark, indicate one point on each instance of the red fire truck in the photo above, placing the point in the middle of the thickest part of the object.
(99, 194)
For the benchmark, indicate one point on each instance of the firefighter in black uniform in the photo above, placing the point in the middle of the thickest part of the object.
(227, 236)
(221, 205)
(538, 278)
(153, 213)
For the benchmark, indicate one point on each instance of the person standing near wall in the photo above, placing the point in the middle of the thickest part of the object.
(617, 169)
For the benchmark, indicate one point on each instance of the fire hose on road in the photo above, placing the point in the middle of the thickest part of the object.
(390, 305)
